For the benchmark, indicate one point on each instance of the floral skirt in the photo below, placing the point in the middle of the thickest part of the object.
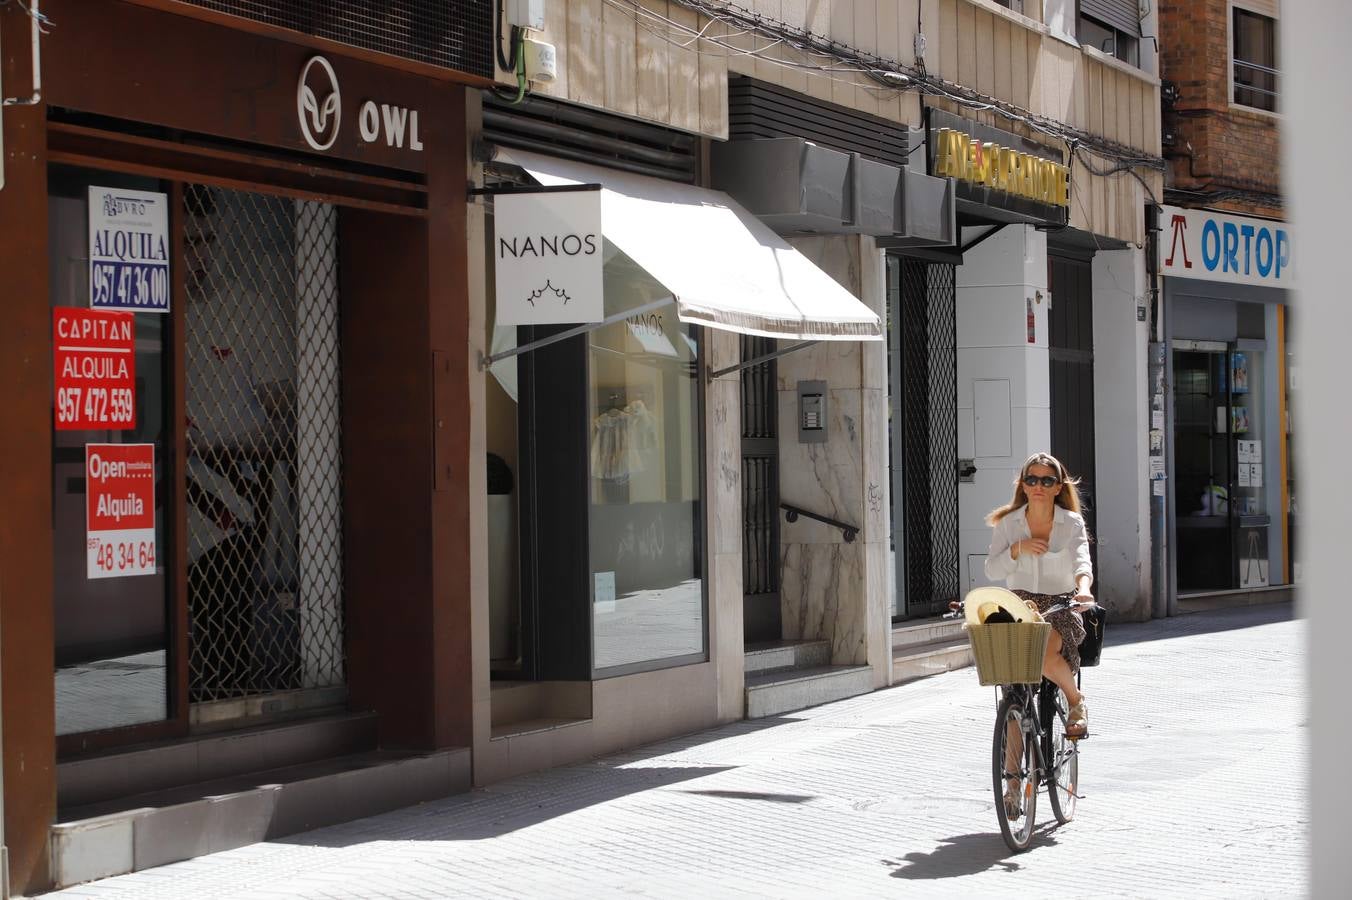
(1068, 623)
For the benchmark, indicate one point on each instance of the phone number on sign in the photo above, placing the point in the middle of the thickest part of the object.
(123, 285)
(95, 405)
(123, 556)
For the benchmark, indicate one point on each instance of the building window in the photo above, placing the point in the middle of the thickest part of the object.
(1255, 60)
(1113, 41)
(1015, 5)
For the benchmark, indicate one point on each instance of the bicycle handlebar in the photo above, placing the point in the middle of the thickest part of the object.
(957, 606)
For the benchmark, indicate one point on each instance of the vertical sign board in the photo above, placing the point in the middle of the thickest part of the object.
(120, 516)
(94, 354)
(547, 258)
(128, 250)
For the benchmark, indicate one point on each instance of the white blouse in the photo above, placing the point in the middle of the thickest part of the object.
(1055, 571)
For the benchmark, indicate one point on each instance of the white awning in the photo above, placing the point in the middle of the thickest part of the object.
(725, 267)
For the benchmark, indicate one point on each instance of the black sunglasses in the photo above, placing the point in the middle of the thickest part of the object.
(1047, 481)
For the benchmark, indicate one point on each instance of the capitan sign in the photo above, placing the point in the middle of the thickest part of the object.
(1211, 246)
(547, 258)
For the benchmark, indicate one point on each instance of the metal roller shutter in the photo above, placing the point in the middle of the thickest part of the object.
(1121, 14)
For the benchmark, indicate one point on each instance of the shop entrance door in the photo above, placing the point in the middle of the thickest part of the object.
(1071, 350)
(922, 362)
(760, 494)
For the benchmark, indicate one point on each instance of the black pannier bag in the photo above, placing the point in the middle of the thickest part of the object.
(1092, 646)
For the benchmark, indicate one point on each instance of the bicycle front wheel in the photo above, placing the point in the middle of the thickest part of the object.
(1014, 772)
(1063, 757)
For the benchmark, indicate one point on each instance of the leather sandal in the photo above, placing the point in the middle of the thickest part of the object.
(1013, 804)
(1077, 721)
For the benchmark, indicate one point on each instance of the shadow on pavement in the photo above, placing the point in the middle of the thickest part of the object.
(755, 795)
(1118, 634)
(967, 854)
(537, 797)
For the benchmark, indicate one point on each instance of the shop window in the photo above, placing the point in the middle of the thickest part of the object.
(1255, 60)
(111, 633)
(594, 508)
(647, 591)
(1226, 464)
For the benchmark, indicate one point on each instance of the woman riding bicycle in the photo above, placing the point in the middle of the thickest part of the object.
(1040, 547)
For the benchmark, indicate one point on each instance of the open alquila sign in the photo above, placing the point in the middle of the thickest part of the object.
(547, 258)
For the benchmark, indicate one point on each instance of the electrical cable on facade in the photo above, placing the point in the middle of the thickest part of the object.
(878, 68)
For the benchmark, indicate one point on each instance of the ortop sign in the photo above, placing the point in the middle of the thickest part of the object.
(547, 253)
(1211, 246)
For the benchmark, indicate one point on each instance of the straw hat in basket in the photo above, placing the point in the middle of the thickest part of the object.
(980, 603)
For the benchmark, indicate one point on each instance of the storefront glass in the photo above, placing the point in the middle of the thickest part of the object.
(1227, 465)
(111, 632)
(642, 501)
(644, 488)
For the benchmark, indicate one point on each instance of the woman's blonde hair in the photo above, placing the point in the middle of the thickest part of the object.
(1068, 496)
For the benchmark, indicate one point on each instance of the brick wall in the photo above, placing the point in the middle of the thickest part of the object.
(1232, 148)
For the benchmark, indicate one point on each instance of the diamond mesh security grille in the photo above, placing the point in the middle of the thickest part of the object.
(456, 34)
(265, 597)
(929, 431)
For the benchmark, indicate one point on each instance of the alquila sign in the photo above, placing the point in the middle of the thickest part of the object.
(998, 168)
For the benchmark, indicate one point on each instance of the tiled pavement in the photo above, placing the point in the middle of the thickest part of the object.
(1194, 781)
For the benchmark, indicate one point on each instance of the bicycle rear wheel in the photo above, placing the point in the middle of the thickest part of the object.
(1063, 755)
(1014, 771)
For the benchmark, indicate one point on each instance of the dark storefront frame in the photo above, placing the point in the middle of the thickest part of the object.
(90, 120)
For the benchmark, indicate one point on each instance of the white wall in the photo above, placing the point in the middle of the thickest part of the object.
(1121, 439)
(998, 279)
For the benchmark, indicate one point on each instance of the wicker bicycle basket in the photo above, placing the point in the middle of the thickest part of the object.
(1009, 653)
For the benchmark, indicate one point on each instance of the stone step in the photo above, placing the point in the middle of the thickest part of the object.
(782, 655)
(923, 660)
(207, 757)
(775, 692)
(926, 631)
(140, 832)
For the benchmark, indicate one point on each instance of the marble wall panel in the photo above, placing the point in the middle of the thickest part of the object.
(819, 593)
(825, 478)
(726, 642)
(877, 565)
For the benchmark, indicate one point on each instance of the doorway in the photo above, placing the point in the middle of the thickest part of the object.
(922, 362)
(1070, 341)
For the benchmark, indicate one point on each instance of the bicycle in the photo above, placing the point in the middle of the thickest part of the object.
(1030, 748)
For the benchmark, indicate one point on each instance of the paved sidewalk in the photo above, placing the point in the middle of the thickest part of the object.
(1194, 781)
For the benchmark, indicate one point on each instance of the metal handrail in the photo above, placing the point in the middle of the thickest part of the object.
(792, 513)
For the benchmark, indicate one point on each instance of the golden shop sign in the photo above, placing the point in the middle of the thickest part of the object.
(990, 165)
